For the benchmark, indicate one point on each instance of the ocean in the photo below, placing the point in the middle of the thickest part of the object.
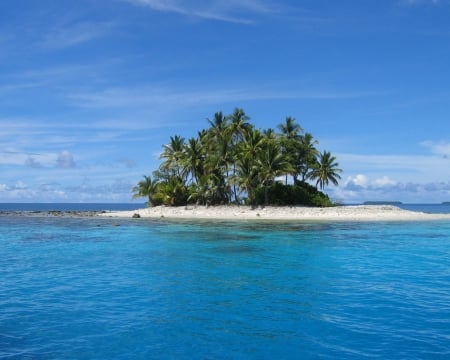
(104, 288)
(69, 206)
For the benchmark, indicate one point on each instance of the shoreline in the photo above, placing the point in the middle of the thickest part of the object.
(277, 213)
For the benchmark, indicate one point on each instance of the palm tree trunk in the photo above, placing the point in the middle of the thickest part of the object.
(250, 197)
(234, 185)
(266, 195)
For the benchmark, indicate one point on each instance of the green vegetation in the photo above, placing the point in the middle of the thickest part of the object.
(234, 162)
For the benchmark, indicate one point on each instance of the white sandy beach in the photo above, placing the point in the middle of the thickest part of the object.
(295, 213)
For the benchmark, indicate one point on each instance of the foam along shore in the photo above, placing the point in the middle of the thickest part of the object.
(300, 213)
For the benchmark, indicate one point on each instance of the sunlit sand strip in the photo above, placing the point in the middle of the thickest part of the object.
(300, 213)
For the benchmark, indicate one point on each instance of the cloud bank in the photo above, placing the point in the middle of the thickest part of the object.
(360, 188)
(118, 190)
(219, 10)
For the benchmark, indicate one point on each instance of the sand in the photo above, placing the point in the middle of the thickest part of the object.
(295, 213)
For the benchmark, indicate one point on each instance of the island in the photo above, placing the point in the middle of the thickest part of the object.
(234, 162)
(234, 171)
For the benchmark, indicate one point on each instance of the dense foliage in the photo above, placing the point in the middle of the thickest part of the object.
(234, 162)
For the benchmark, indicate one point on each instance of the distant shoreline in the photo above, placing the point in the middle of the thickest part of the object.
(294, 213)
(52, 213)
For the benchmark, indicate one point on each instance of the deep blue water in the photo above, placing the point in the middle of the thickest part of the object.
(428, 208)
(95, 288)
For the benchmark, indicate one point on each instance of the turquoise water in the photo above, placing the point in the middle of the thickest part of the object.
(138, 289)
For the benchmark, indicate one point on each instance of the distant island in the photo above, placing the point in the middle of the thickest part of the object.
(446, 203)
(394, 203)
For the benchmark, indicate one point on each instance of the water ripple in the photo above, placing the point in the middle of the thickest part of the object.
(72, 289)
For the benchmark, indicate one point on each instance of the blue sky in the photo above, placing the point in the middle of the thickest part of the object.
(90, 90)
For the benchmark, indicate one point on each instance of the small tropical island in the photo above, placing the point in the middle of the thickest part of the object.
(233, 162)
(235, 171)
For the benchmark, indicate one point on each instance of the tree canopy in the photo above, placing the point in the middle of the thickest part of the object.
(232, 161)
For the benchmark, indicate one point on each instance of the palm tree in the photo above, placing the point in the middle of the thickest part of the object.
(290, 140)
(172, 154)
(251, 145)
(172, 192)
(219, 125)
(290, 129)
(270, 164)
(245, 174)
(325, 170)
(308, 155)
(232, 157)
(239, 124)
(193, 158)
(145, 188)
(206, 191)
(246, 177)
(218, 153)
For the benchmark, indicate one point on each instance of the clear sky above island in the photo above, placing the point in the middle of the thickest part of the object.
(90, 90)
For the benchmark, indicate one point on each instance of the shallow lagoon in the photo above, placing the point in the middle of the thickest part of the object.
(110, 288)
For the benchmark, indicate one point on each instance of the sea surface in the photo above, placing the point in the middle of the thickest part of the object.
(103, 288)
(70, 206)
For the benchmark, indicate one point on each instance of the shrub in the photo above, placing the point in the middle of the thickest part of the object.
(300, 193)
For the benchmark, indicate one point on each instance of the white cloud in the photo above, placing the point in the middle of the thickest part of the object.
(20, 185)
(32, 162)
(65, 160)
(360, 180)
(11, 88)
(441, 148)
(384, 181)
(112, 190)
(21, 192)
(402, 168)
(406, 178)
(68, 35)
(148, 97)
(19, 157)
(128, 163)
(360, 188)
(221, 10)
(420, 2)
(12, 158)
